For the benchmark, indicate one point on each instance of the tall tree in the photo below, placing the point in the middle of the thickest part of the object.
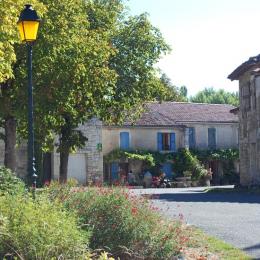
(164, 90)
(9, 60)
(212, 96)
(108, 72)
(90, 59)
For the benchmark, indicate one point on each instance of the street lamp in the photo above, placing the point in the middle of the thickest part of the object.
(28, 26)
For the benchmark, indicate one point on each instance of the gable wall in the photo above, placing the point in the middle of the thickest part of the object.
(249, 129)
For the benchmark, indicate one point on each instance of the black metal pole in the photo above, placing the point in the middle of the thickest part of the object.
(31, 159)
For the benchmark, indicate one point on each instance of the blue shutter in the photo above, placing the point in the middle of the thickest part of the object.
(192, 137)
(172, 142)
(114, 171)
(124, 140)
(212, 138)
(167, 169)
(159, 141)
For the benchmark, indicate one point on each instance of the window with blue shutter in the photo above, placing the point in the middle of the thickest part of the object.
(172, 142)
(166, 142)
(212, 138)
(114, 171)
(124, 140)
(159, 141)
(192, 140)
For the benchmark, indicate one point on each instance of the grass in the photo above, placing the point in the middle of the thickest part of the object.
(218, 247)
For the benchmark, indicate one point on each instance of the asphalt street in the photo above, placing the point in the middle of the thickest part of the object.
(232, 217)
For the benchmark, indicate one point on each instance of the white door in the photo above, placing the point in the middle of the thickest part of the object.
(77, 167)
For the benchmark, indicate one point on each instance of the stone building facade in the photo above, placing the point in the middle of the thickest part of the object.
(248, 75)
(163, 127)
(85, 165)
(168, 126)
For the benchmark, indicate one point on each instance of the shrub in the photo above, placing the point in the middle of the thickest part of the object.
(39, 230)
(124, 223)
(9, 183)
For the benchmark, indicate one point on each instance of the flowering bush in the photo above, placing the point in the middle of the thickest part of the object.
(126, 225)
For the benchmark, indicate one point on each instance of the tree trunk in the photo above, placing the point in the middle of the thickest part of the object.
(64, 159)
(46, 167)
(10, 141)
(64, 153)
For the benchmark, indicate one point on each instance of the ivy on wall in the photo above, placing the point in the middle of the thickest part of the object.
(183, 159)
(118, 154)
(220, 154)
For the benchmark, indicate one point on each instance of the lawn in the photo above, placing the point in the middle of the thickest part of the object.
(217, 247)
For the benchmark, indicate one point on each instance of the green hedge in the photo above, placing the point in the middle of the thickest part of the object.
(39, 230)
(9, 183)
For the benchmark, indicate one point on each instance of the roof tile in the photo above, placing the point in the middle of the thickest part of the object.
(179, 113)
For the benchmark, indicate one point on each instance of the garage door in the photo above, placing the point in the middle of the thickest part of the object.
(77, 167)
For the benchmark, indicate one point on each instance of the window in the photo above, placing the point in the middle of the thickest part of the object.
(124, 140)
(192, 140)
(166, 142)
(212, 138)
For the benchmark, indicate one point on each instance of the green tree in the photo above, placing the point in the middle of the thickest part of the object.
(90, 59)
(164, 90)
(212, 96)
(116, 75)
(9, 60)
(184, 92)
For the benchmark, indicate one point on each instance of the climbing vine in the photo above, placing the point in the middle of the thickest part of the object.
(134, 155)
(183, 159)
(220, 154)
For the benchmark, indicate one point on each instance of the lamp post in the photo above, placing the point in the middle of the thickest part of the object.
(28, 24)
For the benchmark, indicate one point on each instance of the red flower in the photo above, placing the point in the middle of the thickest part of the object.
(134, 211)
(47, 183)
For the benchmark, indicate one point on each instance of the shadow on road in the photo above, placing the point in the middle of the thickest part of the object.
(208, 197)
(257, 246)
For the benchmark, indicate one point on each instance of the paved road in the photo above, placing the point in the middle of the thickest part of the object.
(232, 217)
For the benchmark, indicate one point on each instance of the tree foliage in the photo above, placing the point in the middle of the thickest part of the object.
(90, 59)
(164, 90)
(211, 96)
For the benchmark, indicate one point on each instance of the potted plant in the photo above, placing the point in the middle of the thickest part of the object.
(207, 177)
(187, 175)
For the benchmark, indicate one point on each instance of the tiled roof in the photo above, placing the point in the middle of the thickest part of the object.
(251, 62)
(179, 113)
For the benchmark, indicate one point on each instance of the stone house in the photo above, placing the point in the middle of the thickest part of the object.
(168, 126)
(248, 75)
(163, 127)
(84, 165)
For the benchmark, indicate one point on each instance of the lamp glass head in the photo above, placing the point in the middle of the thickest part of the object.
(28, 24)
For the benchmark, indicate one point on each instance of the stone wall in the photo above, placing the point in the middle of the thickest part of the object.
(249, 128)
(92, 167)
(21, 158)
(93, 131)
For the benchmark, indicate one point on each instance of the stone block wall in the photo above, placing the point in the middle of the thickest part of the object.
(21, 158)
(249, 128)
(93, 131)
(93, 170)
(94, 156)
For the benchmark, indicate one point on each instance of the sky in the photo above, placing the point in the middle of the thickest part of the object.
(209, 38)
